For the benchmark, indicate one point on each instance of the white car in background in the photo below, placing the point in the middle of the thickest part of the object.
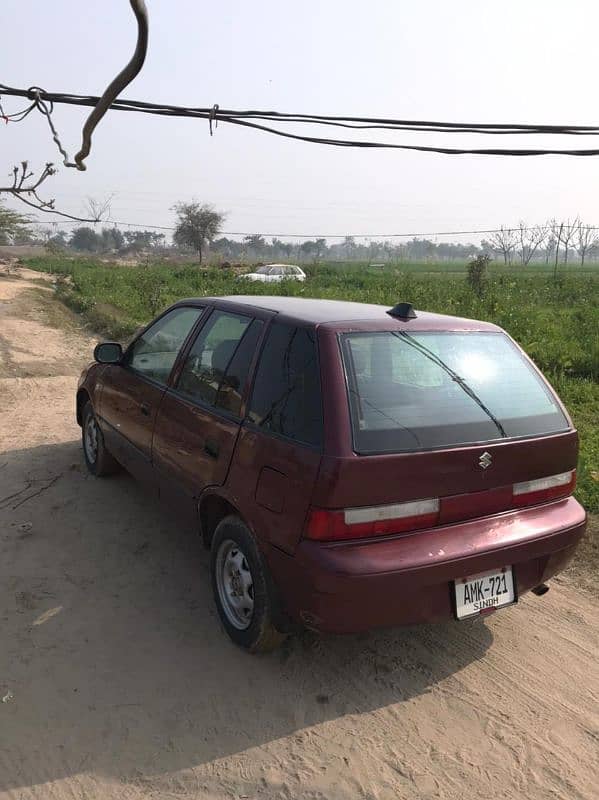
(274, 273)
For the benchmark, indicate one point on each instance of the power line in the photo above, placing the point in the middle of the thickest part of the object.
(26, 191)
(219, 113)
(253, 119)
(420, 235)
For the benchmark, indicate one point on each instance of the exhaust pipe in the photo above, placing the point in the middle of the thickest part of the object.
(540, 590)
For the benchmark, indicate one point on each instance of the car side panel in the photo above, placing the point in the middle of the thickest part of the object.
(90, 385)
(127, 412)
(271, 481)
(192, 449)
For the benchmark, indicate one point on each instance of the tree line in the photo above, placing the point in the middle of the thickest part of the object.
(108, 240)
(198, 227)
(554, 241)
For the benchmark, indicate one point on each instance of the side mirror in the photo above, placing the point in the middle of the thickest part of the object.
(108, 353)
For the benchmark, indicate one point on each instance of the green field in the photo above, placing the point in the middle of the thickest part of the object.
(555, 318)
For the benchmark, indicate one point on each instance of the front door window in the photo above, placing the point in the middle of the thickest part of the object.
(154, 353)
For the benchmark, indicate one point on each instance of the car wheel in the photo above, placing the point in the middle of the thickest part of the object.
(243, 588)
(97, 458)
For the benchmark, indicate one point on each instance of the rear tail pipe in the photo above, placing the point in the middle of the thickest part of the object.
(540, 590)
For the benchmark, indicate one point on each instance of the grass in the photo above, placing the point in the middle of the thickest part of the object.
(556, 320)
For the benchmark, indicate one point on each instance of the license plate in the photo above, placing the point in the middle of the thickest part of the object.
(482, 593)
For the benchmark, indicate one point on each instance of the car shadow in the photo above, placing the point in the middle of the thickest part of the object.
(112, 651)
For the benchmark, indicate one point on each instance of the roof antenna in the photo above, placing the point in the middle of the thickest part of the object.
(402, 311)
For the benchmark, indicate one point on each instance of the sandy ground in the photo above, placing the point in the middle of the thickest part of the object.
(116, 680)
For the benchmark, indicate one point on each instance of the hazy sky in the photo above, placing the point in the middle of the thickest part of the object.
(468, 60)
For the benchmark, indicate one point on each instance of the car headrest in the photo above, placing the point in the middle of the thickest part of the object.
(221, 355)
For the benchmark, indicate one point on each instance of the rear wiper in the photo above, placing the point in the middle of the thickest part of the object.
(453, 375)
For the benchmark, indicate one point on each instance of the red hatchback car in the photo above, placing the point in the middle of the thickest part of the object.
(350, 466)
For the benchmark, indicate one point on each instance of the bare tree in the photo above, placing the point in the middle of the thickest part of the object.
(504, 241)
(529, 241)
(587, 240)
(565, 233)
(99, 209)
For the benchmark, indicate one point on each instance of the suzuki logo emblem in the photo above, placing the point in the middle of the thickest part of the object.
(485, 460)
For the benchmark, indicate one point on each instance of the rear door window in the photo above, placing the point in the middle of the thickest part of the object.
(286, 396)
(217, 366)
(230, 391)
(428, 390)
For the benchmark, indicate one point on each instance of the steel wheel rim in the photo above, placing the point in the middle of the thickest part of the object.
(90, 439)
(234, 584)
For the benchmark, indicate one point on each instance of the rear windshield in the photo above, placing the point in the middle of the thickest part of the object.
(423, 390)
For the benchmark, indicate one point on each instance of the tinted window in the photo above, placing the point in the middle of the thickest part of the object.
(427, 390)
(212, 372)
(230, 391)
(154, 353)
(286, 396)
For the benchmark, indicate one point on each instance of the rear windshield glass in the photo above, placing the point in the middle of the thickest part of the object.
(426, 390)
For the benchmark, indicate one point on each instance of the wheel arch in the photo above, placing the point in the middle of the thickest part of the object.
(83, 397)
(214, 507)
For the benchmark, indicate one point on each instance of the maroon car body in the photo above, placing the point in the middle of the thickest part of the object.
(215, 458)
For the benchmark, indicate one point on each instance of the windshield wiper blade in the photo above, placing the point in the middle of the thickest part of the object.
(453, 375)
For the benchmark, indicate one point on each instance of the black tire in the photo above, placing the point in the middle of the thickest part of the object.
(103, 463)
(261, 635)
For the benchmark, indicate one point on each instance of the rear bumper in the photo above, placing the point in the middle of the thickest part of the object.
(352, 587)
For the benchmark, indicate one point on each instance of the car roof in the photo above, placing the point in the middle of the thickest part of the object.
(342, 312)
(268, 266)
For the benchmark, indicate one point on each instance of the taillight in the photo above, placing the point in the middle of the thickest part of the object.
(325, 525)
(358, 523)
(529, 493)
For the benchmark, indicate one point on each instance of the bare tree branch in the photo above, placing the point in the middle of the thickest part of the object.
(530, 240)
(565, 233)
(587, 240)
(504, 242)
(99, 209)
(25, 190)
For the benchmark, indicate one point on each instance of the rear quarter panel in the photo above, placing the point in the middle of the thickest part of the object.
(271, 481)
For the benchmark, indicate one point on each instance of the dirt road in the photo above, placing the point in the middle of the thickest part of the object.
(117, 681)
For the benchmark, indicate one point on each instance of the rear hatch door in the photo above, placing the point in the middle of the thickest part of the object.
(457, 415)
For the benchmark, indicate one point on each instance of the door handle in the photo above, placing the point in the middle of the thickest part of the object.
(145, 409)
(211, 448)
